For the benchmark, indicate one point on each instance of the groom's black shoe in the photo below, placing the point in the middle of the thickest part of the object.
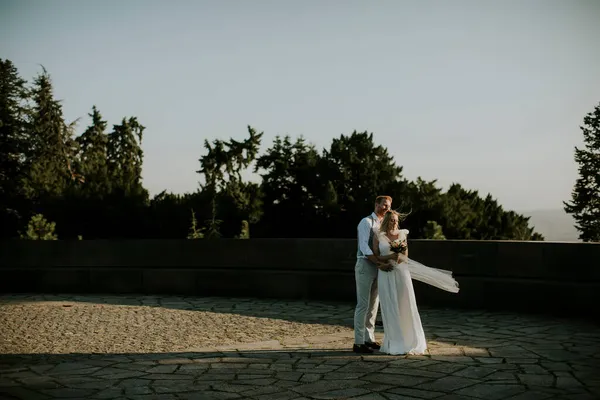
(373, 345)
(361, 348)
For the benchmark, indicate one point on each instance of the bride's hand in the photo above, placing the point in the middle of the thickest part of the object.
(400, 258)
(385, 267)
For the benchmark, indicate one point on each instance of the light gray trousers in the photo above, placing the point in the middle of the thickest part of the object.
(367, 301)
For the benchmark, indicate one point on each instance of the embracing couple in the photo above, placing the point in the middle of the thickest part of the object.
(384, 274)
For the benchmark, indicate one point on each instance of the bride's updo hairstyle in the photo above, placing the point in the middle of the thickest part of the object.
(385, 224)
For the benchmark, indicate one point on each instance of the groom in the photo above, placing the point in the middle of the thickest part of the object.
(365, 273)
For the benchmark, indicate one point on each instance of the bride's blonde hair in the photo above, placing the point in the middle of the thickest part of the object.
(385, 224)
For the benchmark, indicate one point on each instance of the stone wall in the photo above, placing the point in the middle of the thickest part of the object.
(558, 278)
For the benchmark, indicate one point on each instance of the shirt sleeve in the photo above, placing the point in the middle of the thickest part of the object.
(364, 229)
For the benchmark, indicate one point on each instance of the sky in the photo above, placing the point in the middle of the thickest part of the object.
(488, 94)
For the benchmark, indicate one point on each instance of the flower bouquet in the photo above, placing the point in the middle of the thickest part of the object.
(398, 246)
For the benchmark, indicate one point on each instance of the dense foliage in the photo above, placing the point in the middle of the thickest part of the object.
(90, 186)
(585, 198)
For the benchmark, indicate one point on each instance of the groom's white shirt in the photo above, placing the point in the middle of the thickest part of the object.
(366, 225)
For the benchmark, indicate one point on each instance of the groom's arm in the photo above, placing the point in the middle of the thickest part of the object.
(364, 230)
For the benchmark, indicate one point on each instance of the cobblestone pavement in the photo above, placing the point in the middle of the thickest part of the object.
(258, 349)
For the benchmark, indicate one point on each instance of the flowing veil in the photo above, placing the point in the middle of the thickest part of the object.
(439, 278)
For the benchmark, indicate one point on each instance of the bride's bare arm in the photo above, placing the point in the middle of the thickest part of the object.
(382, 261)
(376, 251)
(401, 257)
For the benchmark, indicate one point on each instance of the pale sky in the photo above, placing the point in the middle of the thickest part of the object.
(489, 94)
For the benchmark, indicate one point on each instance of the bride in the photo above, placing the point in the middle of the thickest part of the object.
(403, 331)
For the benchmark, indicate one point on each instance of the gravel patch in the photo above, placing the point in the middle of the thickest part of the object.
(59, 325)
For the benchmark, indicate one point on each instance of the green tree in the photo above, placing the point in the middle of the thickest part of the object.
(585, 197)
(244, 231)
(93, 154)
(290, 184)
(358, 170)
(125, 156)
(39, 229)
(51, 142)
(49, 165)
(222, 169)
(13, 146)
(195, 232)
(434, 231)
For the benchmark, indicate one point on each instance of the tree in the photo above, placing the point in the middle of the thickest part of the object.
(585, 197)
(359, 170)
(39, 229)
(51, 142)
(290, 184)
(92, 155)
(222, 168)
(434, 231)
(195, 233)
(13, 146)
(125, 156)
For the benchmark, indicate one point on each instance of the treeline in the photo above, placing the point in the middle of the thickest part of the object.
(90, 185)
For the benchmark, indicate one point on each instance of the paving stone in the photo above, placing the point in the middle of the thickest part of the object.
(395, 380)
(40, 382)
(199, 395)
(531, 395)
(133, 382)
(215, 377)
(325, 386)
(565, 382)
(416, 393)
(171, 386)
(253, 376)
(23, 393)
(491, 392)
(343, 375)
(162, 369)
(310, 377)
(414, 372)
(8, 383)
(287, 395)
(376, 387)
(167, 377)
(256, 382)
(533, 369)
(137, 390)
(537, 380)
(109, 393)
(455, 359)
(448, 384)
(474, 372)
(192, 369)
(69, 393)
(340, 393)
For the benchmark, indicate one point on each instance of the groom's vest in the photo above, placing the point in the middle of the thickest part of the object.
(359, 254)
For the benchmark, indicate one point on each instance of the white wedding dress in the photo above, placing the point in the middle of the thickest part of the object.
(403, 331)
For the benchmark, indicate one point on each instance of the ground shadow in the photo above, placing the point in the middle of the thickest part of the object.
(294, 373)
(303, 311)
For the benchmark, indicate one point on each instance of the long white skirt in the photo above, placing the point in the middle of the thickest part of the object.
(403, 330)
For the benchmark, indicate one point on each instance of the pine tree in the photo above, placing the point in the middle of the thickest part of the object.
(125, 156)
(13, 146)
(51, 139)
(92, 157)
(40, 229)
(585, 197)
